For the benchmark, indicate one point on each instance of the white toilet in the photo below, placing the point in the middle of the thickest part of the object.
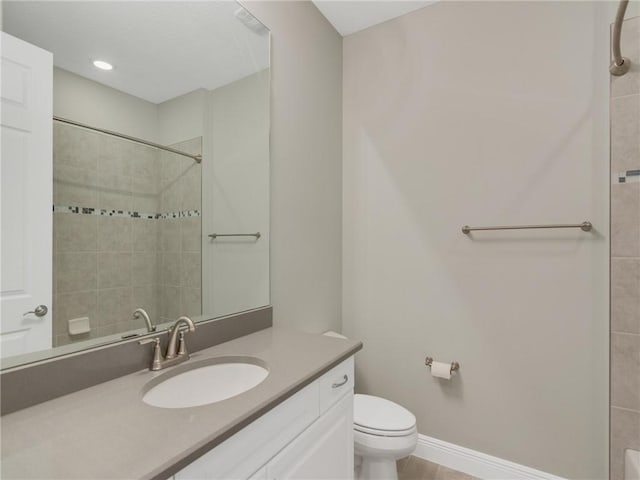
(383, 432)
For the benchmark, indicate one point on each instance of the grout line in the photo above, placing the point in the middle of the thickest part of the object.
(628, 95)
(633, 334)
(76, 291)
(625, 409)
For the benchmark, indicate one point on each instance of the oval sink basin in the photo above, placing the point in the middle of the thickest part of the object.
(205, 382)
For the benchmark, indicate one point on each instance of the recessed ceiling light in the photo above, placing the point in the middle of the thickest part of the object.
(102, 65)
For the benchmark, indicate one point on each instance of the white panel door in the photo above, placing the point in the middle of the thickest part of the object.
(25, 197)
(322, 451)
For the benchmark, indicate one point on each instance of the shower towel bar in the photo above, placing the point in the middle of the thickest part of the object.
(213, 236)
(584, 226)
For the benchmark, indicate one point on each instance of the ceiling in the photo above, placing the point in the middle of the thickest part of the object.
(160, 50)
(349, 16)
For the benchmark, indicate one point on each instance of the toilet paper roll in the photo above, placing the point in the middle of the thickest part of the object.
(441, 370)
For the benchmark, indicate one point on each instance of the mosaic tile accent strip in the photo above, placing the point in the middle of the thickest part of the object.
(183, 214)
(630, 176)
(124, 213)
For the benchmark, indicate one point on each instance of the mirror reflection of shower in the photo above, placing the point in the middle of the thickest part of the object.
(135, 137)
(133, 211)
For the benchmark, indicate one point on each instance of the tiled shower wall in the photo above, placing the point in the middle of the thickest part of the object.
(117, 208)
(625, 254)
(180, 279)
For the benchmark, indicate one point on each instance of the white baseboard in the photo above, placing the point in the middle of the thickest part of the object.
(475, 463)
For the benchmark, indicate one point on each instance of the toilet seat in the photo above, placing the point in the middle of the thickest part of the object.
(381, 417)
(384, 433)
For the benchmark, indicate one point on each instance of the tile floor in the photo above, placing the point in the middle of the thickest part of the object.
(414, 468)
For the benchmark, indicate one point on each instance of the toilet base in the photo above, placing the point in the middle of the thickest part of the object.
(375, 456)
(377, 469)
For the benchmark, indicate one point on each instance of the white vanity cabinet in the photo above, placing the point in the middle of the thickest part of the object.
(322, 451)
(309, 435)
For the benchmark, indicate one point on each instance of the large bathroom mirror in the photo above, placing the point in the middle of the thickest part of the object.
(160, 165)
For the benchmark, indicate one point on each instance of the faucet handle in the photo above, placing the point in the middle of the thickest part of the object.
(156, 363)
(182, 345)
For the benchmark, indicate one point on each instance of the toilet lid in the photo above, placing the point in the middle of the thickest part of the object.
(378, 414)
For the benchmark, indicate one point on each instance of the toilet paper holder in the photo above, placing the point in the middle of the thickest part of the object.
(455, 366)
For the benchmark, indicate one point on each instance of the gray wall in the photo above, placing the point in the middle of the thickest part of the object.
(625, 254)
(306, 165)
(485, 113)
(90, 102)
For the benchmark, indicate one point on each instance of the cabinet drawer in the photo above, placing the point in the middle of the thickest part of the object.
(335, 384)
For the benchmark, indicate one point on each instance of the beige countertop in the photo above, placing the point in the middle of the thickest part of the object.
(107, 432)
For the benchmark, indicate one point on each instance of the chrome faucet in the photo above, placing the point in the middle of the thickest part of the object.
(176, 350)
(173, 335)
(140, 312)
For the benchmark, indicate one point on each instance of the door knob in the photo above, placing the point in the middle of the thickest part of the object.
(40, 311)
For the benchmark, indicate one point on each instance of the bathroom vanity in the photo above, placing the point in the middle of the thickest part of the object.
(296, 423)
(310, 435)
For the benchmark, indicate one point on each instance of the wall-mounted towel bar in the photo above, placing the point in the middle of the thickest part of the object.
(213, 236)
(584, 226)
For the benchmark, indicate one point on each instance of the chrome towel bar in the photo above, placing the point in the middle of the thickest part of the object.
(213, 236)
(584, 226)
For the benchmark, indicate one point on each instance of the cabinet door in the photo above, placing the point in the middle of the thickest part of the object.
(322, 451)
